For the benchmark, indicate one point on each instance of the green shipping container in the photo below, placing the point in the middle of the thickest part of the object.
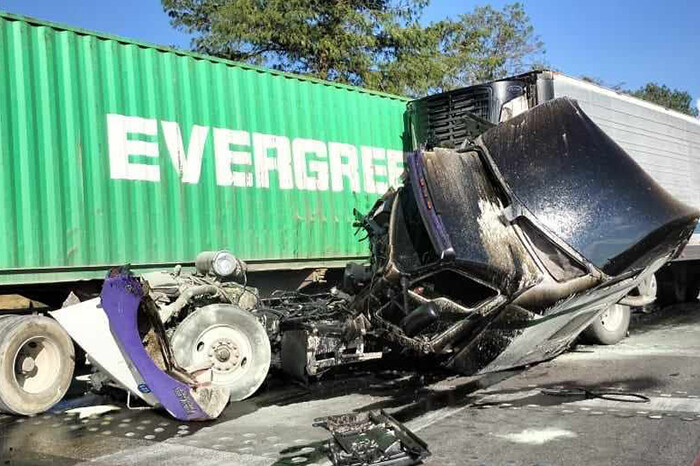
(115, 152)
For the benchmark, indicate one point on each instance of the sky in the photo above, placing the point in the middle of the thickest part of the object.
(619, 41)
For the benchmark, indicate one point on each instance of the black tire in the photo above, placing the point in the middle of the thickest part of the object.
(671, 292)
(610, 327)
(6, 319)
(672, 287)
(37, 359)
(692, 290)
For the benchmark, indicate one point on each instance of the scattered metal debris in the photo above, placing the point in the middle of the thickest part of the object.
(372, 438)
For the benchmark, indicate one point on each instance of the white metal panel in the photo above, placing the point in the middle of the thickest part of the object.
(663, 142)
(88, 325)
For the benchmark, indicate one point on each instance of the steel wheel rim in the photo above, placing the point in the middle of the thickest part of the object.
(36, 364)
(227, 349)
(612, 318)
(253, 343)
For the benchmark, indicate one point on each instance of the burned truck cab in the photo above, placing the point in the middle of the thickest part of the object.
(499, 253)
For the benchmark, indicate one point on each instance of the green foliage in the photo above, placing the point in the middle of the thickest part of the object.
(379, 44)
(673, 99)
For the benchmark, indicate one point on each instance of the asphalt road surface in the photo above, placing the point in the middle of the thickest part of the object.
(534, 416)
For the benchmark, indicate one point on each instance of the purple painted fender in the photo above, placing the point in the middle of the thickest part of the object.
(121, 296)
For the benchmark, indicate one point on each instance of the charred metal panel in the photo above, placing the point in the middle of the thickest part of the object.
(663, 142)
(516, 336)
(470, 207)
(578, 183)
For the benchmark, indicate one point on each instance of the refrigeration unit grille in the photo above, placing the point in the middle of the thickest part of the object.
(444, 114)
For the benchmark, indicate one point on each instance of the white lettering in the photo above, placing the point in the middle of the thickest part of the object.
(394, 163)
(302, 178)
(225, 157)
(340, 169)
(371, 171)
(189, 165)
(243, 159)
(121, 148)
(282, 161)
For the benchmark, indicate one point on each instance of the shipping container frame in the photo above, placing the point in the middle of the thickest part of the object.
(41, 273)
(185, 53)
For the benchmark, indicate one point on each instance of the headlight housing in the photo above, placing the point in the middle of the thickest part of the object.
(223, 264)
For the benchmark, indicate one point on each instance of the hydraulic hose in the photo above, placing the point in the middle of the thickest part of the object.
(173, 309)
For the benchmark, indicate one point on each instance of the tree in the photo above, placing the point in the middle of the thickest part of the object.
(501, 42)
(673, 99)
(379, 44)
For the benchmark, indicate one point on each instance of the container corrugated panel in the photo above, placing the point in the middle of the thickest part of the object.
(117, 152)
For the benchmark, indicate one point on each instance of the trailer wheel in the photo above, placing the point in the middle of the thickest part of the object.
(37, 359)
(228, 339)
(692, 289)
(610, 327)
(671, 291)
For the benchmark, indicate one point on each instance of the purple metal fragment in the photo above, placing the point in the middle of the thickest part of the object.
(437, 232)
(121, 296)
